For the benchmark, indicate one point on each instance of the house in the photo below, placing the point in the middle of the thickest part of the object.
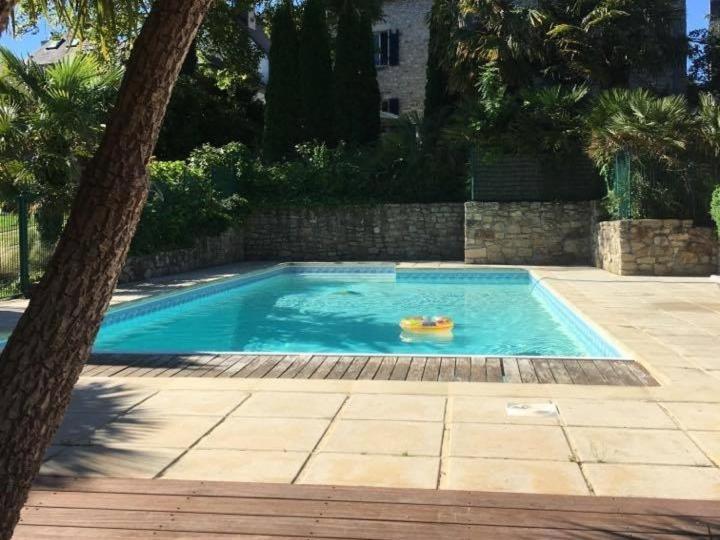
(401, 43)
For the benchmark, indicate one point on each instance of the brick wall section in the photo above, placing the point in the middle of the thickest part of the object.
(527, 232)
(371, 233)
(656, 247)
(407, 80)
(227, 248)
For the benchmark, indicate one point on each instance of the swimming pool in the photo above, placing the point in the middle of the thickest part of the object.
(356, 309)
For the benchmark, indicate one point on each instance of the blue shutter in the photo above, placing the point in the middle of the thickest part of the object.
(394, 106)
(394, 46)
(384, 46)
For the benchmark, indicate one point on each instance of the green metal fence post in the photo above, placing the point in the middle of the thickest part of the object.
(24, 245)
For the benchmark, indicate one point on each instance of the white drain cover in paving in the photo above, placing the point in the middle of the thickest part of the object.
(540, 410)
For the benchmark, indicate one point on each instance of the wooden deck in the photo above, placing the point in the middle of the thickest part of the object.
(379, 368)
(130, 509)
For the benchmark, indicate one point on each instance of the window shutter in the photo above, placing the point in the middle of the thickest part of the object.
(394, 57)
(394, 106)
(384, 46)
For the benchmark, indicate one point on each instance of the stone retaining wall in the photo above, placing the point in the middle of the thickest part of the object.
(655, 247)
(371, 233)
(553, 233)
(226, 248)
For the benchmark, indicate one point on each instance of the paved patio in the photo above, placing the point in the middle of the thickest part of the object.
(620, 441)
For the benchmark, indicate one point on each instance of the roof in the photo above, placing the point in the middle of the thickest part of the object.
(54, 50)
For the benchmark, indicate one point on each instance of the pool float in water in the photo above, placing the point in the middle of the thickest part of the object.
(427, 324)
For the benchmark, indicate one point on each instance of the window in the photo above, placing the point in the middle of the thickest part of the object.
(387, 48)
(391, 105)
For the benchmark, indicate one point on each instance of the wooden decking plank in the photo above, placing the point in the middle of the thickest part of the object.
(326, 367)
(494, 370)
(115, 370)
(249, 367)
(478, 370)
(356, 366)
(49, 532)
(462, 369)
(624, 373)
(371, 368)
(268, 363)
(592, 372)
(417, 367)
(215, 366)
(618, 505)
(240, 362)
(447, 369)
(310, 367)
(511, 371)
(607, 371)
(386, 368)
(560, 373)
(282, 366)
(641, 374)
(576, 372)
(340, 367)
(360, 510)
(360, 529)
(146, 365)
(187, 365)
(432, 369)
(296, 366)
(543, 371)
(400, 371)
(527, 371)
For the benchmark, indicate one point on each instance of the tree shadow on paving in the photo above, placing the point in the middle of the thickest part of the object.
(98, 431)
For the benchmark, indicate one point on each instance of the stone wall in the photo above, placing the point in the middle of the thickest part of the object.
(227, 248)
(406, 81)
(552, 233)
(655, 247)
(372, 233)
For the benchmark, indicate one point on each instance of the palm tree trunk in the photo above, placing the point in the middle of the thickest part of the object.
(45, 354)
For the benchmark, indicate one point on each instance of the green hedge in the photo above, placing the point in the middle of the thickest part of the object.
(715, 207)
(183, 205)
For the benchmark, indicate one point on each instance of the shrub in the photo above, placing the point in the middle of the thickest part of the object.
(182, 206)
(715, 207)
(655, 153)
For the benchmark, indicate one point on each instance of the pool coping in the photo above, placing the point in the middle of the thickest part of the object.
(383, 268)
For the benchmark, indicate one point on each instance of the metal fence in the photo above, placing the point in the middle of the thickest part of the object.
(24, 250)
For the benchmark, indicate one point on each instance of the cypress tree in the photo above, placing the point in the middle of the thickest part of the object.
(282, 100)
(356, 87)
(316, 77)
(438, 102)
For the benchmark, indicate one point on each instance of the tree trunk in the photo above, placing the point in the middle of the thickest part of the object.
(45, 354)
(6, 8)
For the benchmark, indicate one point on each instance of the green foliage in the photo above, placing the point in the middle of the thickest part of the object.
(282, 121)
(715, 206)
(439, 102)
(601, 41)
(357, 95)
(201, 112)
(182, 206)
(51, 120)
(316, 77)
(545, 120)
(705, 60)
(658, 157)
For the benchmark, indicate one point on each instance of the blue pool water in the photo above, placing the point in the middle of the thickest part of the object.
(299, 310)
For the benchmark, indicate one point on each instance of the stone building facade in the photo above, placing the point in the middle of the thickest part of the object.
(404, 30)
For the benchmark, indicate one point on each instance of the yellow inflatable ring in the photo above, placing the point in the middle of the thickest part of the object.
(427, 324)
